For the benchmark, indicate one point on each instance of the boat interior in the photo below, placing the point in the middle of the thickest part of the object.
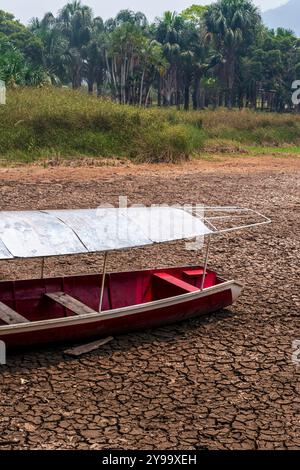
(41, 299)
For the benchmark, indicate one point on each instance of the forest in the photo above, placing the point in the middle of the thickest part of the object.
(204, 57)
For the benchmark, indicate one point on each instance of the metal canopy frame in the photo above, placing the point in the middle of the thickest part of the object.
(68, 232)
(232, 213)
(42, 234)
(236, 213)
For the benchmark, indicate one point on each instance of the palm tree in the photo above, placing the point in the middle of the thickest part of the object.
(169, 32)
(232, 24)
(94, 56)
(55, 46)
(125, 44)
(205, 59)
(129, 61)
(152, 63)
(75, 23)
(128, 16)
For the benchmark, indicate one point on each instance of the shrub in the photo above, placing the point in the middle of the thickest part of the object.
(45, 122)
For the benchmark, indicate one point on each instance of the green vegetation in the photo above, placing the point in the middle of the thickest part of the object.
(287, 150)
(39, 123)
(213, 56)
(60, 122)
(21, 54)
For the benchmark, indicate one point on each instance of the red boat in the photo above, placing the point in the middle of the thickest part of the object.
(73, 308)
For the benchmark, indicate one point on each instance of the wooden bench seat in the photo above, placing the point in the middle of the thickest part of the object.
(70, 303)
(193, 272)
(174, 281)
(9, 316)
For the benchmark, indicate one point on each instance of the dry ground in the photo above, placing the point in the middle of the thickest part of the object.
(224, 381)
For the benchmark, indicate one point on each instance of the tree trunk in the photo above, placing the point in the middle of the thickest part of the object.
(91, 85)
(99, 82)
(187, 97)
(196, 93)
(76, 81)
(147, 96)
(159, 91)
(202, 99)
(123, 83)
(142, 88)
(178, 91)
(230, 72)
(229, 98)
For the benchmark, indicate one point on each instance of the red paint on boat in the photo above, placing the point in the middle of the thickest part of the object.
(147, 292)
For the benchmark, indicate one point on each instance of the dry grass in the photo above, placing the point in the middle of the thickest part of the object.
(43, 123)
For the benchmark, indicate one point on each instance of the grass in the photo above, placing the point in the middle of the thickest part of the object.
(280, 151)
(45, 123)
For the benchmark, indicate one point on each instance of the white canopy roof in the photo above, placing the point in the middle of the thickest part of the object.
(63, 232)
(32, 234)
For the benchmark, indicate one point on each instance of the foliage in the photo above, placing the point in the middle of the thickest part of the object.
(15, 70)
(38, 123)
(64, 122)
(217, 55)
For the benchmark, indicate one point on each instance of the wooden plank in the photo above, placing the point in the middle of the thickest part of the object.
(168, 278)
(86, 348)
(194, 272)
(70, 303)
(9, 316)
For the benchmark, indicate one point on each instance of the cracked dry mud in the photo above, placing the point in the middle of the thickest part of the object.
(223, 381)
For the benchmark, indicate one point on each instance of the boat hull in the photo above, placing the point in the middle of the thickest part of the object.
(123, 320)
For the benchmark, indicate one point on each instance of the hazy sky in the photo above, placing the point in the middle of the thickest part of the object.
(26, 9)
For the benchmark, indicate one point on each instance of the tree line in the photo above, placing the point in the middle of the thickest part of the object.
(217, 55)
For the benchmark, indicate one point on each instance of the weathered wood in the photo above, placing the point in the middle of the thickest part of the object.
(86, 348)
(9, 316)
(172, 280)
(193, 272)
(70, 303)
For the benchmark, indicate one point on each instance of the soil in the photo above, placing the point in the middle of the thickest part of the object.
(223, 381)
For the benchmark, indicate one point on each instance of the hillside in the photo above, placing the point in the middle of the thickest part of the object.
(286, 16)
(52, 122)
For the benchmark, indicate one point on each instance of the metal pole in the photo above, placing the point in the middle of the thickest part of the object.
(43, 268)
(205, 263)
(103, 282)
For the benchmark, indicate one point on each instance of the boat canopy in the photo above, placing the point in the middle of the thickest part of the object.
(43, 233)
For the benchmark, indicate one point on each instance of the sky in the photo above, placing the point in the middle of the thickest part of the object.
(26, 9)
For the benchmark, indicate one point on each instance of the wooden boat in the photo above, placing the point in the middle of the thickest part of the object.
(72, 308)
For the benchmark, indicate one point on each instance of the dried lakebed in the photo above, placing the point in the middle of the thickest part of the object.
(224, 381)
